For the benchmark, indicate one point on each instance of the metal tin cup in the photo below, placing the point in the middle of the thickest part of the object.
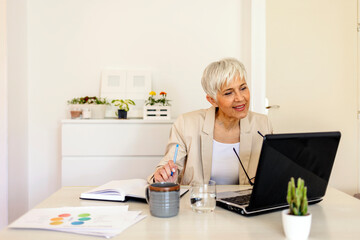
(163, 199)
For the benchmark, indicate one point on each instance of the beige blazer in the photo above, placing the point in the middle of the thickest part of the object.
(194, 133)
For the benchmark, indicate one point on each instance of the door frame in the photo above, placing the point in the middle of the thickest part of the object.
(3, 119)
(258, 56)
(358, 81)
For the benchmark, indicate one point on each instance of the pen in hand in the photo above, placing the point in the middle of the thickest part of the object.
(175, 155)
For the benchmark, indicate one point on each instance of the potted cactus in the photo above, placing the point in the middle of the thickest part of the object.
(296, 220)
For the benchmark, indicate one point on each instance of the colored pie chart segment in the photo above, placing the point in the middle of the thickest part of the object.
(77, 223)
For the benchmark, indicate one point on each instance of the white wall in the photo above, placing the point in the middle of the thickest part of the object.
(3, 120)
(311, 60)
(17, 107)
(69, 42)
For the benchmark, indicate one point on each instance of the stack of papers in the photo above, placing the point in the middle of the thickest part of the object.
(104, 221)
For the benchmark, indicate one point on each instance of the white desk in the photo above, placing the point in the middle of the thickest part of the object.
(336, 217)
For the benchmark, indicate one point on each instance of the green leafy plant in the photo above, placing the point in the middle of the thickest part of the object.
(151, 100)
(88, 100)
(123, 104)
(297, 197)
(74, 101)
(163, 101)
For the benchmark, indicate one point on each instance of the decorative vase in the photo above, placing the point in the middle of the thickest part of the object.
(122, 114)
(296, 227)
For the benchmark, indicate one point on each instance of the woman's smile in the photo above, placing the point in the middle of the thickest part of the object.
(239, 108)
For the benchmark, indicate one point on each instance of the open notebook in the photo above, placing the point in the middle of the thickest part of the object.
(120, 190)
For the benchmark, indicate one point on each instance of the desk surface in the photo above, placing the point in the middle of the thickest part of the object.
(336, 217)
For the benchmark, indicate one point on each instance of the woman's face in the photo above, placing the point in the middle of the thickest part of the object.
(233, 99)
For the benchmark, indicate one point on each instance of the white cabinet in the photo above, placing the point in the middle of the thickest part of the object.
(97, 151)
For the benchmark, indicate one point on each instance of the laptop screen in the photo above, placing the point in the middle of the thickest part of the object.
(307, 155)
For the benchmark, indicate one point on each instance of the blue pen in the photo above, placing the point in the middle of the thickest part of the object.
(175, 155)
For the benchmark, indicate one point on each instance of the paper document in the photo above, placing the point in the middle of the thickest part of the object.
(105, 221)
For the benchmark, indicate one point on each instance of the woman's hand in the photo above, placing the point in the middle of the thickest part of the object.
(163, 174)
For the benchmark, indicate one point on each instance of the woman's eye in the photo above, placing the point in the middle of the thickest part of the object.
(243, 88)
(227, 93)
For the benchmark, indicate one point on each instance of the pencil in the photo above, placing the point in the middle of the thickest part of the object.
(175, 155)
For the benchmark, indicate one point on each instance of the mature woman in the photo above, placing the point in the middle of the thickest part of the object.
(207, 137)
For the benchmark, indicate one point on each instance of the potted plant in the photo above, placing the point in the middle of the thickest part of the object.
(296, 220)
(157, 109)
(151, 100)
(93, 106)
(123, 105)
(163, 101)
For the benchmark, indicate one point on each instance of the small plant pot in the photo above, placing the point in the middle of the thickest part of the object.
(97, 110)
(75, 114)
(122, 114)
(296, 227)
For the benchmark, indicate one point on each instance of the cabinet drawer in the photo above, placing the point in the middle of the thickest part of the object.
(115, 139)
(95, 171)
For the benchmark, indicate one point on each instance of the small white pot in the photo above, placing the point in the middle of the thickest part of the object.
(97, 110)
(296, 227)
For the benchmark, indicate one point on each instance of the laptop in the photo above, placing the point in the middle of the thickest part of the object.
(307, 155)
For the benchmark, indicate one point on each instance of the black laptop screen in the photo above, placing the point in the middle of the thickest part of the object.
(306, 155)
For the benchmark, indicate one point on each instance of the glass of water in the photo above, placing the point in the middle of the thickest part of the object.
(203, 196)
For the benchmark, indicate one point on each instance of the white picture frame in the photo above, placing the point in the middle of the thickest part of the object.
(126, 84)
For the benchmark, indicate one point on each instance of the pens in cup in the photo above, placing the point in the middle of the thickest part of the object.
(175, 155)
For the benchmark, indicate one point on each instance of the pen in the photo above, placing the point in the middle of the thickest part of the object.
(176, 151)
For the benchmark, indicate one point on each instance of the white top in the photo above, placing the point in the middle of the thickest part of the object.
(225, 165)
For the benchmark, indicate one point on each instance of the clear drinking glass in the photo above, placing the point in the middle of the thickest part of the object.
(203, 196)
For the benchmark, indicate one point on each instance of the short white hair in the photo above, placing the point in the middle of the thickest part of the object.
(219, 73)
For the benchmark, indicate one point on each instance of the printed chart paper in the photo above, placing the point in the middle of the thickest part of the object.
(106, 221)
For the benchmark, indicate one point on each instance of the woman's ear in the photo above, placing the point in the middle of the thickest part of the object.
(211, 101)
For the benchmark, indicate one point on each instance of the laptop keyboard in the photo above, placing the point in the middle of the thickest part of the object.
(240, 200)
